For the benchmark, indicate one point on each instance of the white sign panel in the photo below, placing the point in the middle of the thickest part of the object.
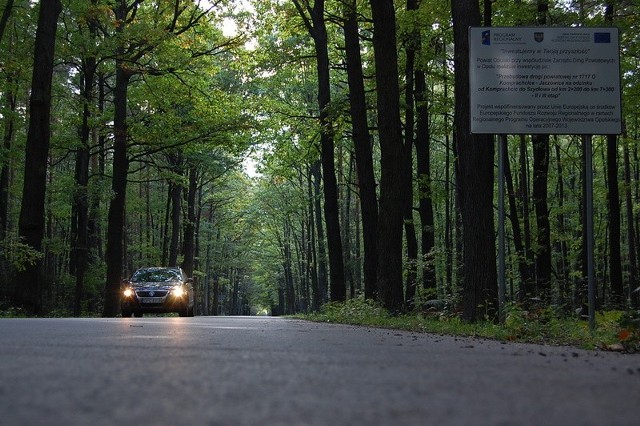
(545, 80)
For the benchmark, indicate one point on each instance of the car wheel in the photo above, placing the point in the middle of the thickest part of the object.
(137, 314)
(126, 313)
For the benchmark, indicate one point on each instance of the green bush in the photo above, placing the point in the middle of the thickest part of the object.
(353, 311)
(542, 325)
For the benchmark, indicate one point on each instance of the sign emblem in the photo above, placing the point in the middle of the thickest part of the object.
(538, 36)
(486, 38)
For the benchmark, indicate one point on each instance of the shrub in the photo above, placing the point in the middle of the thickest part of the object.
(353, 311)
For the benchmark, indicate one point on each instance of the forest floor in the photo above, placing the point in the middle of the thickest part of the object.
(616, 331)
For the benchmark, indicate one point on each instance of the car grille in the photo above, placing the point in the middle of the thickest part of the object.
(151, 293)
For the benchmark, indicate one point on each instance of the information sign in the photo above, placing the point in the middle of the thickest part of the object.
(545, 80)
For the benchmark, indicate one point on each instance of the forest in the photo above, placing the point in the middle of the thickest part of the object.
(291, 153)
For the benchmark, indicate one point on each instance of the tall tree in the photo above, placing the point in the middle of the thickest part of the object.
(363, 149)
(540, 177)
(562, 269)
(631, 236)
(543, 246)
(313, 17)
(115, 231)
(316, 174)
(189, 241)
(32, 211)
(423, 168)
(410, 41)
(10, 99)
(613, 205)
(394, 176)
(475, 180)
(513, 217)
(80, 209)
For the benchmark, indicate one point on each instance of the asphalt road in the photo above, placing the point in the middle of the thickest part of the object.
(271, 371)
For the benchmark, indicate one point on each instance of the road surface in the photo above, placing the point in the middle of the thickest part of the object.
(272, 371)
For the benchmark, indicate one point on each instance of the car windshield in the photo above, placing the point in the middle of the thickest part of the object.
(155, 276)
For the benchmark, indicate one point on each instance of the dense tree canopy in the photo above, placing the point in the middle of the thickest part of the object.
(291, 153)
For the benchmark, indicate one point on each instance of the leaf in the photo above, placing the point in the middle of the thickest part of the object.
(624, 335)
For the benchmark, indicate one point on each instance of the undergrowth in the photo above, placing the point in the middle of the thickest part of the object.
(542, 326)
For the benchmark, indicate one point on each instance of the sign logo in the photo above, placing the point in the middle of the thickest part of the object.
(602, 37)
(486, 38)
(538, 36)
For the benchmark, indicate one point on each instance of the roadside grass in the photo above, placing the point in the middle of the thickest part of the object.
(541, 326)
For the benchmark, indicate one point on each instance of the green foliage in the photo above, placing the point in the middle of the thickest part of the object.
(629, 333)
(537, 324)
(542, 326)
(18, 254)
(354, 311)
(12, 312)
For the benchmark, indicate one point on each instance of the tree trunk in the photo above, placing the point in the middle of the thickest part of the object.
(189, 240)
(363, 150)
(394, 178)
(98, 169)
(176, 211)
(312, 256)
(513, 216)
(475, 181)
(631, 238)
(322, 252)
(412, 247)
(562, 269)
(423, 168)
(613, 204)
(347, 227)
(409, 140)
(175, 193)
(450, 198)
(540, 179)
(6, 13)
(330, 186)
(116, 217)
(290, 297)
(527, 286)
(317, 29)
(543, 252)
(81, 196)
(31, 225)
(80, 244)
(7, 139)
(580, 298)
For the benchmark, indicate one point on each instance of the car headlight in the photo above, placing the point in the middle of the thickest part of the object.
(178, 291)
(128, 292)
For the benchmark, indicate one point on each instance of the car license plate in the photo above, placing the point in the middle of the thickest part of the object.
(152, 299)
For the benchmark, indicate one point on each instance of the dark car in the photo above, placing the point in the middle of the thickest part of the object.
(157, 290)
